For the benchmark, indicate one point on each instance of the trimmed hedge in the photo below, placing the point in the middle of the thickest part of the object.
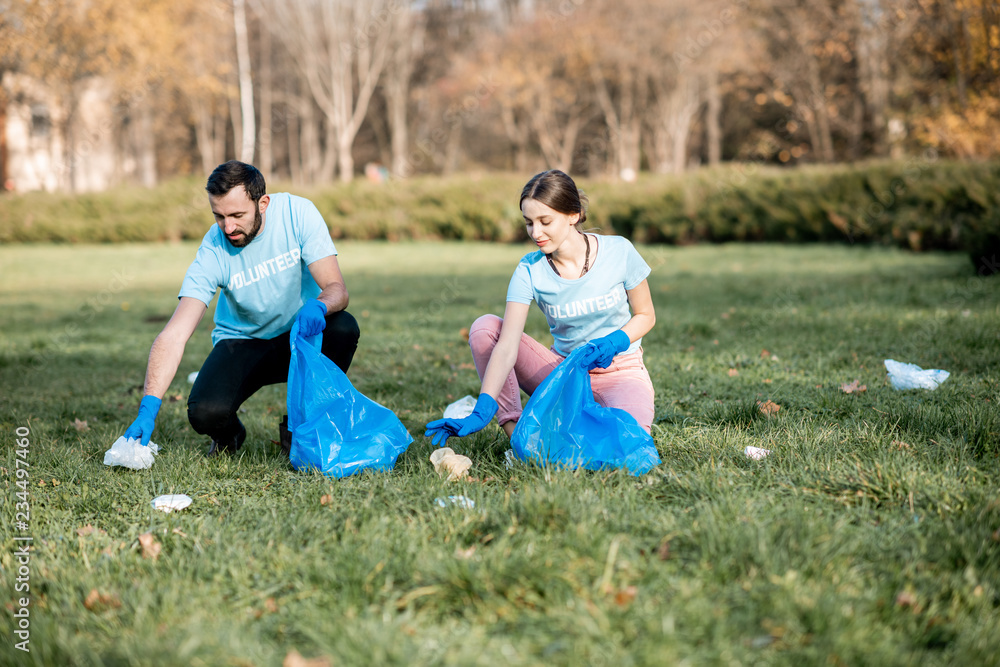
(922, 204)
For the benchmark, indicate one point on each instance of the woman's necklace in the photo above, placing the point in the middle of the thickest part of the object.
(586, 260)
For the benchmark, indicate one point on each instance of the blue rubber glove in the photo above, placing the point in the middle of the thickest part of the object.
(440, 430)
(142, 428)
(601, 351)
(311, 317)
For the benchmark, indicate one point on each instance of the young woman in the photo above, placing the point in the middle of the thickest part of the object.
(585, 284)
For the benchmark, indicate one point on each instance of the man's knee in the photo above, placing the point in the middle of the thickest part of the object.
(209, 416)
(342, 327)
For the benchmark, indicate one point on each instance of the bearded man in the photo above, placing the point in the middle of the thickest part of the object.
(274, 261)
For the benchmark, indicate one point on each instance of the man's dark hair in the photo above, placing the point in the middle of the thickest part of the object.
(230, 174)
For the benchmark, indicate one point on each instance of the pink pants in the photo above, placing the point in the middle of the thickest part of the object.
(624, 384)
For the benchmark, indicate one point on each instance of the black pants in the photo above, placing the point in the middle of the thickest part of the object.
(237, 368)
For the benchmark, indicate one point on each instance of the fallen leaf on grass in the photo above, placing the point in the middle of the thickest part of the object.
(464, 333)
(853, 388)
(98, 602)
(150, 547)
(465, 554)
(176, 397)
(996, 535)
(80, 424)
(764, 354)
(906, 599)
(295, 659)
(733, 372)
(768, 407)
(89, 530)
(899, 444)
(325, 499)
(625, 596)
(664, 551)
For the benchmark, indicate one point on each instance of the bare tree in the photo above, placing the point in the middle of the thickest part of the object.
(407, 43)
(340, 48)
(247, 117)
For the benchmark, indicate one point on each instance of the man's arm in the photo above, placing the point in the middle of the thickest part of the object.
(326, 273)
(168, 348)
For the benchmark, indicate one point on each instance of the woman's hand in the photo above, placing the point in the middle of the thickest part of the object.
(440, 430)
(600, 352)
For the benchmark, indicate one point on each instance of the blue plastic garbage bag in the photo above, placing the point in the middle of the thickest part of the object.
(563, 424)
(334, 427)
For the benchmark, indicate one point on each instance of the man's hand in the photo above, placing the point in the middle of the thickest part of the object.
(142, 428)
(440, 430)
(311, 318)
(600, 352)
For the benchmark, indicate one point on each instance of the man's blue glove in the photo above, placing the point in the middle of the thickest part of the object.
(440, 430)
(311, 317)
(142, 428)
(600, 352)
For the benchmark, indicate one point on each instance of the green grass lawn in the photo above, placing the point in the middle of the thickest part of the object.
(871, 535)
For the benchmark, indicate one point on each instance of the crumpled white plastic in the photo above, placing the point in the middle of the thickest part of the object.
(911, 376)
(461, 408)
(457, 501)
(131, 454)
(756, 453)
(171, 502)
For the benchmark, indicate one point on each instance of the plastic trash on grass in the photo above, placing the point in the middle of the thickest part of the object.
(756, 453)
(461, 408)
(447, 462)
(456, 501)
(911, 376)
(131, 454)
(171, 502)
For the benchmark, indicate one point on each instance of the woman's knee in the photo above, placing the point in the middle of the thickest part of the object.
(485, 332)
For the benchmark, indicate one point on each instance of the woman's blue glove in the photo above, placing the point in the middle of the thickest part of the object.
(601, 351)
(440, 430)
(142, 428)
(311, 317)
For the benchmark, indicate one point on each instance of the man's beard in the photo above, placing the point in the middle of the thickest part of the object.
(249, 236)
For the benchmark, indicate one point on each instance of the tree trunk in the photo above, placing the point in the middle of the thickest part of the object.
(292, 135)
(236, 120)
(266, 106)
(713, 119)
(249, 133)
(309, 143)
(818, 98)
(146, 144)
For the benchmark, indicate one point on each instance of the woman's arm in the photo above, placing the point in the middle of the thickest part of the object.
(643, 314)
(505, 353)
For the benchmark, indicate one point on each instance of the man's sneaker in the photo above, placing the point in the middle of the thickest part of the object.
(285, 436)
(229, 445)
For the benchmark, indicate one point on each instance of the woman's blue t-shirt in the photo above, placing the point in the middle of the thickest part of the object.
(586, 308)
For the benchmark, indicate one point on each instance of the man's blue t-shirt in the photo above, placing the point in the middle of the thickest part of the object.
(586, 308)
(266, 282)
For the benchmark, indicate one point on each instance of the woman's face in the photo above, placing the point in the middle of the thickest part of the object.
(547, 227)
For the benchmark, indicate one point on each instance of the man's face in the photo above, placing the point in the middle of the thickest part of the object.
(237, 215)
